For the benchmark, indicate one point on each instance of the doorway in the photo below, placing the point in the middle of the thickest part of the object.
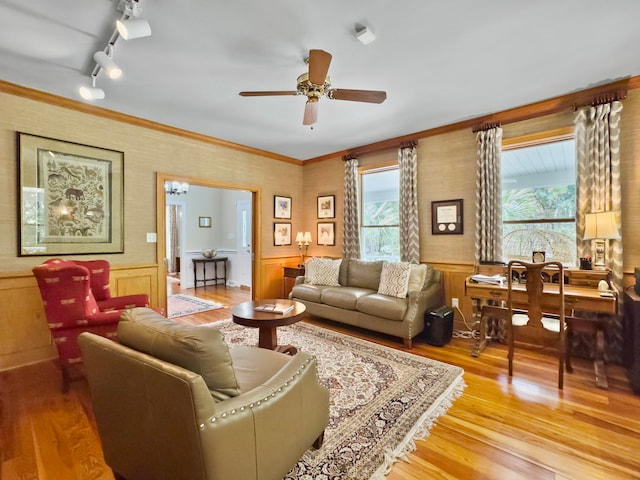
(229, 228)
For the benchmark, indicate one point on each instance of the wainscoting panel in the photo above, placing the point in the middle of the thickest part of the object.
(272, 275)
(133, 280)
(25, 336)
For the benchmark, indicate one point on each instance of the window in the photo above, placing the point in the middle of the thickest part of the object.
(380, 230)
(539, 201)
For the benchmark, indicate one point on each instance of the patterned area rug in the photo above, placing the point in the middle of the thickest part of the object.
(381, 400)
(180, 305)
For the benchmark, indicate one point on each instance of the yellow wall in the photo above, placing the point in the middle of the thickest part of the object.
(146, 152)
(446, 171)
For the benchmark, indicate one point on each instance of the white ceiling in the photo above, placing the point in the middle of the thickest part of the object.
(439, 61)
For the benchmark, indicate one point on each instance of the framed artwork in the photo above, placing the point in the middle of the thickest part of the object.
(70, 198)
(204, 222)
(327, 233)
(281, 207)
(446, 217)
(281, 234)
(327, 206)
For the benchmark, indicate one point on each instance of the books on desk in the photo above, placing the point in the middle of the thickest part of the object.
(491, 279)
(280, 308)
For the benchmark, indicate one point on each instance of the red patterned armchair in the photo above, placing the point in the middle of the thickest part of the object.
(70, 296)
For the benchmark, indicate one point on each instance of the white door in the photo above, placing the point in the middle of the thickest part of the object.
(243, 236)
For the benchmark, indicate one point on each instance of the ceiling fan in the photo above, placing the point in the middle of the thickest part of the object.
(316, 83)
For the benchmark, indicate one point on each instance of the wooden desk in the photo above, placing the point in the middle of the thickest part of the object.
(215, 278)
(577, 298)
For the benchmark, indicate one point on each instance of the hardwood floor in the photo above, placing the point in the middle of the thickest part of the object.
(500, 428)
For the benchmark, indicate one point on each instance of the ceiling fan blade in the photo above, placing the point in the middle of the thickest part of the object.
(267, 94)
(369, 96)
(319, 62)
(310, 112)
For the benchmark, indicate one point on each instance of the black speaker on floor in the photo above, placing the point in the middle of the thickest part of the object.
(438, 326)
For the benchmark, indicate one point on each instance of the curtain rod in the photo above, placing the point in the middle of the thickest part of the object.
(380, 147)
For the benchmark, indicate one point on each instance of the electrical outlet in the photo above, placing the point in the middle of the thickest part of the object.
(151, 237)
(454, 302)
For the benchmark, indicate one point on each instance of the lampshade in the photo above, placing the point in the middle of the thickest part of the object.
(299, 237)
(307, 237)
(176, 188)
(601, 225)
(133, 28)
(107, 64)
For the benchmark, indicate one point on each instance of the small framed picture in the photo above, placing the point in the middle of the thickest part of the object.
(327, 206)
(204, 222)
(446, 217)
(281, 234)
(327, 233)
(281, 207)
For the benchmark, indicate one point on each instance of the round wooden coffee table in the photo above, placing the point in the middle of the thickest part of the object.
(267, 322)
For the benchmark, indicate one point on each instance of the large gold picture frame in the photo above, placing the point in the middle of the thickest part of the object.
(71, 198)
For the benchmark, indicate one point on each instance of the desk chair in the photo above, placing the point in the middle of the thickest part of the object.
(546, 317)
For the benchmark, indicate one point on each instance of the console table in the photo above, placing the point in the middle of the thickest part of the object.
(215, 278)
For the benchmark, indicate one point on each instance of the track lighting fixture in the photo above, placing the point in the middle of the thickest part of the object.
(107, 64)
(92, 93)
(128, 27)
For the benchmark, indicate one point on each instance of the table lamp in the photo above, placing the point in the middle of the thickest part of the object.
(599, 227)
(303, 239)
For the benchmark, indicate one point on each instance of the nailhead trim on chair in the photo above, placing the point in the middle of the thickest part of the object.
(251, 405)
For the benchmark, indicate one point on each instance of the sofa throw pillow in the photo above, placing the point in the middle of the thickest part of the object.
(394, 279)
(323, 271)
(417, 276)
(199, 348)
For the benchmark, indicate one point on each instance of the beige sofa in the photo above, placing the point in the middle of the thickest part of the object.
(355, 299)
(173, 402)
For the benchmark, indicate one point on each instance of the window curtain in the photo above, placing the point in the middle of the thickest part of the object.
(597, 134)
(351, 239)
(598, 175)
(173, 237)
(409, 225)
(488, 245)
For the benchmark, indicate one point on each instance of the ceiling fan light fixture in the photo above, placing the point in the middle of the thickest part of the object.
(365, 36)
(133, 28)
(310, 111)
(108, 65)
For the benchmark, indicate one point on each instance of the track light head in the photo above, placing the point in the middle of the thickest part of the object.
(108, 65)
(133, 28)
(91, 93)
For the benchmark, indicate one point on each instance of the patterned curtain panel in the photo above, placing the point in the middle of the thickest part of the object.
(598, 175)
(173, 238)
(488, 247)
(598, 189)
(409, 225)
(351, 240)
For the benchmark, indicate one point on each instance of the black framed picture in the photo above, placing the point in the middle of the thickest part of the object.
(327, 233)
(327, 206)
(281, 207)
(446, 217)
(281, 233)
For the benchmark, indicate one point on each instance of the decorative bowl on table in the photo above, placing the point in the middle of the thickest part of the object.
(209, 253)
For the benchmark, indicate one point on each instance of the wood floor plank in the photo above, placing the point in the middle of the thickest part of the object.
(502, 427)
